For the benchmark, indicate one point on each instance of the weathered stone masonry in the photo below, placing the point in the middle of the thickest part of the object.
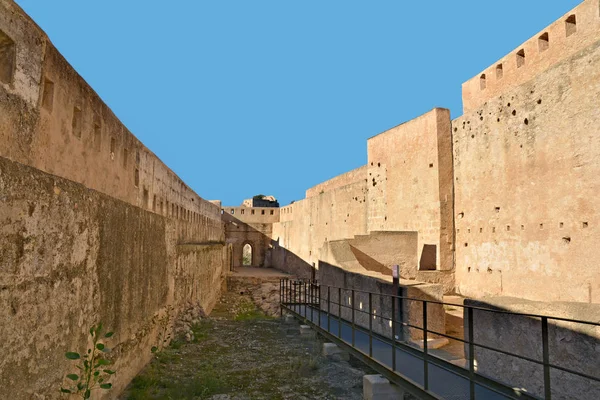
(501, 196)
(94, 227)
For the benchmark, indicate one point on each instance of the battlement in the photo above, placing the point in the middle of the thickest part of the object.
(571, 33)
(70, 132)
(259, 215)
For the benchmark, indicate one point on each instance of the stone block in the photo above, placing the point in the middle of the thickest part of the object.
(306, 331)
(289, 319)
(376, 387)
(432, 344)
(333, 351)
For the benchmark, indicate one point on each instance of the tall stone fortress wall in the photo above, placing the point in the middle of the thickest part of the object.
(568, 35)
(307, 225)
(502, 199)
(527, 173)
(94, 226)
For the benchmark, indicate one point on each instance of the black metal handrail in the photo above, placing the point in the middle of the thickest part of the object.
(308, 293)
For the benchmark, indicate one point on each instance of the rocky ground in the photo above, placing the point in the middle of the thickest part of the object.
(240, 353)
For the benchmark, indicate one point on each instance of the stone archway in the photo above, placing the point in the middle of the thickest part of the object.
(248, 254)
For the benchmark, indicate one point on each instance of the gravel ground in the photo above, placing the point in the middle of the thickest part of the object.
(239, 353)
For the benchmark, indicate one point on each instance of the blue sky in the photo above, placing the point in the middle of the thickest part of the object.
(247, 97)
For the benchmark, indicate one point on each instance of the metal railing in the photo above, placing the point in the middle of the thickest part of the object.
(425, 372)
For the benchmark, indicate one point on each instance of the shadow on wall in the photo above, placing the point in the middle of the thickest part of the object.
(369, 263)
(570, 345)
(342, 282)
(250, 243)
(286, 261)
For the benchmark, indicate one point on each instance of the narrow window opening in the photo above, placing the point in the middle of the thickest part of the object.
(8, 57)
(482, 82)
(76, 123)
(232, 211)
(543, 42)
(499, 71)
(154, 203)
(252, 212)
(146, 198)
(97, 137)
(242, 212)
(136, 178)
(520, 58)
(262, 212)
(571, 25)
(48, 95)
(113, 146)
(271, 212)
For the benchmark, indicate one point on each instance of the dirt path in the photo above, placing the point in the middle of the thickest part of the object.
(239, 353)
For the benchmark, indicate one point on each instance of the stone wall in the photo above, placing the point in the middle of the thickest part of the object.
(405, 188)
(341, 283)
(51, 119)
(94, 226)
(570, 345)
(254, 215)
(239, 233)
(410, 184)
(570, 34)
(307, 225)
(70, 257)
(497, 197)
(350, 177)
(526, 182)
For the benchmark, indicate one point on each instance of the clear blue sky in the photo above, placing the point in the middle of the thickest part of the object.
(247, 97)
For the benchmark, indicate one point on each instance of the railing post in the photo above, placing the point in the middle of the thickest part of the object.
(393, 320)
(319, 301)
(425, 361)
(305, 301)
(328, 309)
(370, 324)
(352, 307)
(340, 312)
(312, 300)
(471, 355)
(546, 359)
(281, 298)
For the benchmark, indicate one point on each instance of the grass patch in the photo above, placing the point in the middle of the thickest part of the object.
(201, 330)
(248, 311)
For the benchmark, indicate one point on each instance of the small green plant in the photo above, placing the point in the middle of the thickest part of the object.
(93, 373)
